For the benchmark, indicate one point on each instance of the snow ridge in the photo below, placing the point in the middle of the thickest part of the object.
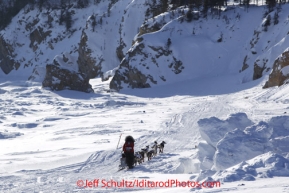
(236, 140)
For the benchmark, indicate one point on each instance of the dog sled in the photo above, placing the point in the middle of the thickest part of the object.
(138, 157)
(123, 163)
(137, 160)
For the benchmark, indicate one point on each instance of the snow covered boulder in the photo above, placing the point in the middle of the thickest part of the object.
(281, 144)
(261, 130)
(266, 165)
(280, 125)
(217, 37)
(205, 174)
(206, 153)
(253, 51)
(213, 129)
(238, 145)
(272, 164)
(232, 141)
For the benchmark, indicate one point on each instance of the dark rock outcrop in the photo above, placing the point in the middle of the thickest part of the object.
(58, 78)
(245, 65)
(128, 75)
(135, 69)
(131, 76)
(258, 70)
(119, 50)
(88, 64)
(38, 36)
(63, 74)
(144, 29)
(277, 78)
(154, 9)
(7, 55)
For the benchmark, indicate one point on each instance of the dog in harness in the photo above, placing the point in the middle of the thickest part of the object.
(144, 152)
(161, 146)
(138, 159)
(155, 148)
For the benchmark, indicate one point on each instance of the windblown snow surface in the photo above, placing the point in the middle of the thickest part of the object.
(218, 126)
(233, 133)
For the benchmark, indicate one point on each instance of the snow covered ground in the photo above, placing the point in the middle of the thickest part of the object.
(220, 126)
(58, 141)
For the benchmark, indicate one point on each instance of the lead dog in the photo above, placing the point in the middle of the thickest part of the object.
(161, 146)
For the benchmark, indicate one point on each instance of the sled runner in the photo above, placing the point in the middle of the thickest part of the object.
(123, 163)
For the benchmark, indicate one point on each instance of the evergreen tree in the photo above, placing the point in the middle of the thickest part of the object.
(169, 42)
(205, 8)
(189, 15)
(165, 5)
(100, 21)
(276, 18)
(41, 3)
(93, 22)
(270, 4)
(195, 4)
(61, 17)
(267, 22)
(62, 4)
(247, 3)
(11, 8)
(68, 20)
(82, 3)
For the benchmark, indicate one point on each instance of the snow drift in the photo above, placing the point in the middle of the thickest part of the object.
(235, 140)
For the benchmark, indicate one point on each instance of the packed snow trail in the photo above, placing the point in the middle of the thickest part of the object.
(67, 136)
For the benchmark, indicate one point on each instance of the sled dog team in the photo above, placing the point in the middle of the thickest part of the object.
(130, 158)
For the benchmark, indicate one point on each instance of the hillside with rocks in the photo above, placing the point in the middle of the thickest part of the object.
(208, 78)
(144, 43)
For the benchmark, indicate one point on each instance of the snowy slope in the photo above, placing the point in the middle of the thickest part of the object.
(218, 126)
(68, 136)
(33, 52)
(202, 48)
(207, 47)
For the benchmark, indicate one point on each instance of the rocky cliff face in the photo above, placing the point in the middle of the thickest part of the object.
(146, 58)
(85, 36)
(58, 78)
(7, 55)
(108, 36)
(174, 46)
(269, 40)
(156, 22)
(87, 63)
(280, 71)
(144, 42)
(37, 36)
